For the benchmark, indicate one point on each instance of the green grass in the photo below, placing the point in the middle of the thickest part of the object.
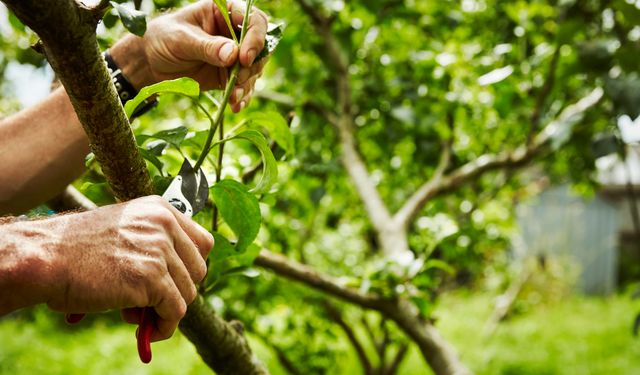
(577, 336)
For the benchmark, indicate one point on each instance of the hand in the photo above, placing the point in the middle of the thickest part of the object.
(195, 42)
(135, 254)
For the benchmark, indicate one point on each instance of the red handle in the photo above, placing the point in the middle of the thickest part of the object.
(147, 323)
(73, 318)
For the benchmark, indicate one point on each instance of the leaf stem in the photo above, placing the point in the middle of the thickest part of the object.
(219, 115)
(214, 223)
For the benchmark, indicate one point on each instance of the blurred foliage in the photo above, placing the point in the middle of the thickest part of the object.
(483, 75)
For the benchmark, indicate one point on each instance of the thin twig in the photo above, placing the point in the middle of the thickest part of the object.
(334, 314)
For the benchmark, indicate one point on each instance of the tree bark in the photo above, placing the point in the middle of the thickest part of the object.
(68, 34)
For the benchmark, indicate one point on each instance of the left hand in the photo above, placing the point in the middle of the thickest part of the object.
(195, 42)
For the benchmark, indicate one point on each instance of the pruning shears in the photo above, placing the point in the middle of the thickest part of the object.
(188, 193)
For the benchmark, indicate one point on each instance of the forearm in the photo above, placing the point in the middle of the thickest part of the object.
(43, 147)
(26, 266)
(42, 151)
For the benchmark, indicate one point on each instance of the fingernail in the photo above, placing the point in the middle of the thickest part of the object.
(242, 105)
(251, 55)
(225, 53)
(239, 93)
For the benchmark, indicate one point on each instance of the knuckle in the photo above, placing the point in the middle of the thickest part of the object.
(162, 216)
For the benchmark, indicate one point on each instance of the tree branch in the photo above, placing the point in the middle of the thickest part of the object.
(397, 359)
(71, 199)
(492, 162)
(419, 198)
(351, 158)
(307, 275)
(334, 314)
(543, 95)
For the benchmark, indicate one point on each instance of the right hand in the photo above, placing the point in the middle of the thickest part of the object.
(126, 256)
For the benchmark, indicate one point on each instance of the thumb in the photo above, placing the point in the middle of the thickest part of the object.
(213, 50)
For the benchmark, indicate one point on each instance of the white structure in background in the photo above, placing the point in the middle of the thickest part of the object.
(598, 233)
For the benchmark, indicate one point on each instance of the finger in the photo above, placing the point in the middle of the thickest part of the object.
(240, 92)
(131, 315)
(211, 77)
(243, 102)
(244, 74)
(191, 258)
(181, 276)
(211, 49)
(198, 235)
(256, 31)
(170, 309)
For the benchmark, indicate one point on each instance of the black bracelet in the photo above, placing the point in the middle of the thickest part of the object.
(125, 89)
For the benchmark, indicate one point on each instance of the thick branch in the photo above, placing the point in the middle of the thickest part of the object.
(221, 344)
(351, 158)
(491, 162)
(307, 275)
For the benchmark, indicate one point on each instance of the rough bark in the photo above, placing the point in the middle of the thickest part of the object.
(221, 344)
(67, 32)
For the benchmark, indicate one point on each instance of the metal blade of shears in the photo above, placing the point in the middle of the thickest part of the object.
(188, 191)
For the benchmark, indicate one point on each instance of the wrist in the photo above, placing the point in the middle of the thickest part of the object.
(129, 55)
(30, 272)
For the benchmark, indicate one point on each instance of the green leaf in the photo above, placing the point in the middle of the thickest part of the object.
(239, 209)
(439, 264)
(222, 6)
(246, 259)
(15, 22)
(271, 41)
(183, 86)
(276, 126)
(153, 159)
(270, 168)
(161, 183)
(222, 249)
(423, 306)
(133, 20)
(629, 11)
(157, 147)
(174, 136)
